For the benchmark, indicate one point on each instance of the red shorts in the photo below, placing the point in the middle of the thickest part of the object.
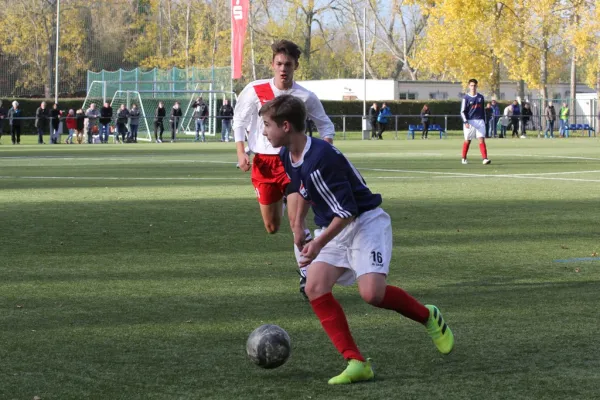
(269, 178)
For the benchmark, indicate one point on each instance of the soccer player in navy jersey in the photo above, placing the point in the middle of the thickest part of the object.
(354, 242)
(473, 115)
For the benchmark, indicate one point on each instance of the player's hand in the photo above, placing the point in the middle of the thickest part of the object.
(244, 162)
(310, 251)
(467, 125)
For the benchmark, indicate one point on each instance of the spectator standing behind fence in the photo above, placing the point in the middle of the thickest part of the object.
(309, 126)
(550, 114)
(122, 118)
(106, 115)
(92, 115)
(506, 120)
(382, 119)
(71, 122)
(425, 121)
(373, 114)
(2, 117)
(200, 114)
(41, 121)
(489, 117)
(525, 118)
(226, 114)
(14, 120)
(493, 132)
(80, 118)
(175, 118)
(55, 115)
(515, 118)
(564, 119)
(134, 122)
(159, 127)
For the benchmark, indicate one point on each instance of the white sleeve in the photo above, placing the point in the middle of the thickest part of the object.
(315, 111)
(245, 113)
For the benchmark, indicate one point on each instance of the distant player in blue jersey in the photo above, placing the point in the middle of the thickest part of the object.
(354, 242)
(473, 115)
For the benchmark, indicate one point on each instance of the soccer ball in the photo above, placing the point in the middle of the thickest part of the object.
(268, 346)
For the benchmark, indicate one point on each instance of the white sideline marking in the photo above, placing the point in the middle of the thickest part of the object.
(124, 158)
(469, 175)
(544, 156)
(118, 178)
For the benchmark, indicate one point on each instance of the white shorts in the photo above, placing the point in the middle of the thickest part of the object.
(476, 129)
(364, 246)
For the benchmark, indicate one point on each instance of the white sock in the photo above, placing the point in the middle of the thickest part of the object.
(297, 251)
(303, 271)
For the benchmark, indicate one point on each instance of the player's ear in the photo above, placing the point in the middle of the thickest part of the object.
(297, 64)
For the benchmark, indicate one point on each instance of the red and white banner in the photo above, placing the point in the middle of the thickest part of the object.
(239, 22)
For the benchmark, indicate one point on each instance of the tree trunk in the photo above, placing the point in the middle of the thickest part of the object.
(308, 44)
(170, 30)
(521, 89)
(544, 72)
(495, 78)
(187, 34)
(573, 88)
(160, 24)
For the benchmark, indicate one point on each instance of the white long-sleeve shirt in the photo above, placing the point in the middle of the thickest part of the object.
(246, 115)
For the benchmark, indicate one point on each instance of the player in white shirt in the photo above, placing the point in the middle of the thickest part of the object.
(268, 174)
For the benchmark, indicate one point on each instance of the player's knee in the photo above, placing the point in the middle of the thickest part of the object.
(271, 228)
(315, 290)
(371, 295)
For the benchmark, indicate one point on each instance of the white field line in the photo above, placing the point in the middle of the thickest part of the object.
(470, 175)
(544, 156)
(119, 178)
(136, 158)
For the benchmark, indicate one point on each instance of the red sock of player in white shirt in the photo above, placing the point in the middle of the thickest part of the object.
(333, 320)
(483, 149)
(398, 300)
(465, 148)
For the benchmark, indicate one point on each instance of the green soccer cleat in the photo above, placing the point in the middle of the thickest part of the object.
(439, 331)
(356, 371)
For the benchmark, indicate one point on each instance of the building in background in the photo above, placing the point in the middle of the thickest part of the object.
(379, 90)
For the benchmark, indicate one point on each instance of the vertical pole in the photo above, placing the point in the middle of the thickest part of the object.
(364, 121)
(56, 51)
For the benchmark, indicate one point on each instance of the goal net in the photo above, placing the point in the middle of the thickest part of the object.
(148, 100)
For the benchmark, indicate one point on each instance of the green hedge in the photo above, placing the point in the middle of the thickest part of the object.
(332, 108)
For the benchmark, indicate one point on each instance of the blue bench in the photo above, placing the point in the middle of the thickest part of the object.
(579, 127)
(419, 128)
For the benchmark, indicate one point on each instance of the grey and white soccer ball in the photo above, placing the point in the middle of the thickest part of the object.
(268, 346)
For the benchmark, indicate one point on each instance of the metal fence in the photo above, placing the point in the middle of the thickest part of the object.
(399, 127)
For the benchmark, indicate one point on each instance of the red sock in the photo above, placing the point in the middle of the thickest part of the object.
(398, 300)
(483, 149)
(466, 145)
(333, 320)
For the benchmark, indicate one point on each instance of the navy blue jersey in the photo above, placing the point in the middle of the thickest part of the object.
(326, 179)
(472, 107)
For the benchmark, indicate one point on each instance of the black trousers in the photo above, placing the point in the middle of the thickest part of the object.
(425, 129)
(382, 127)
(373, 128)
(15, 133)
(158, 126)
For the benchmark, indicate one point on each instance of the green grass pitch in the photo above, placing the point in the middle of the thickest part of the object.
(138, 271)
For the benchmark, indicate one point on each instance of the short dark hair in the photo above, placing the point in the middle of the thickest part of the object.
(474, 81)
(286, 108)
(286, 47)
